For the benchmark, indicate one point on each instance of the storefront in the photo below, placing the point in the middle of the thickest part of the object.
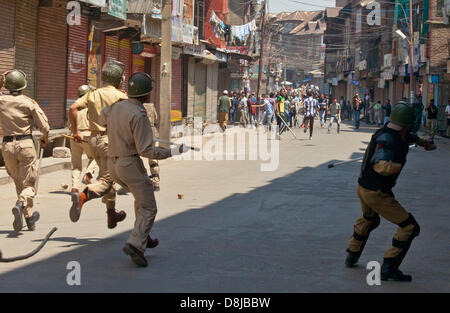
(51, 62)
(77, 49)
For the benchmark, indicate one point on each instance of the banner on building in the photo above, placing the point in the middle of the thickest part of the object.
(118, 8)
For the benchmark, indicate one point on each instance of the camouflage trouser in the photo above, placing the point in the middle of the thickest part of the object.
(104, 186)
(20, 161)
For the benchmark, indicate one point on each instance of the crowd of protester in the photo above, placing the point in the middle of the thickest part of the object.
(290, 108)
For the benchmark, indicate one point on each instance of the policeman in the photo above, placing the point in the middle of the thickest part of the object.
(78, 148)
(154, 164)
(383, 161)
(18, 114)
(130, 136)
(95, 101)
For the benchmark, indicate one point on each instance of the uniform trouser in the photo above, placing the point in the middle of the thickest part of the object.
(223, 119)
(104, 186)
(374, 204)
(77, 150)
(20, 161)
(131, 174)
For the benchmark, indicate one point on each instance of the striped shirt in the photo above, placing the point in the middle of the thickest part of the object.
(311, 106)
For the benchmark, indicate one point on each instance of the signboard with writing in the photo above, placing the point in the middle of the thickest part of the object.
(118, 8)
(194, 50)
(242, 50)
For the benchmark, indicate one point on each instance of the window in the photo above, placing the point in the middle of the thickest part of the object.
(199, 17)
(439, 6)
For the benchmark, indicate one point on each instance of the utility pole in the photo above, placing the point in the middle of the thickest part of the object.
(165, 85)
(285, 70)
(411, 61)
(261, 50)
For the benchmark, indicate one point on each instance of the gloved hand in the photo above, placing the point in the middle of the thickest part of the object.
(177, 150)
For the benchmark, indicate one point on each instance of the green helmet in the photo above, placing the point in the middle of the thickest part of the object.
(402, 115)
(140, 85)
(15, 80)
(83, 90)
(112, 72)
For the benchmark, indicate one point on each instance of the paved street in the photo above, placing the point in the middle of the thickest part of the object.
(239, 229)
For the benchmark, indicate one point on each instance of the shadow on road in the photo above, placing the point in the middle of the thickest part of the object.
(287, 236)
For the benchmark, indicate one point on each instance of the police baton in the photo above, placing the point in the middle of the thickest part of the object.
(41, 155)
(355, 160)
(174, 144)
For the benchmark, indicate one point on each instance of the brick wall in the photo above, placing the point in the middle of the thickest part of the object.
(439, 35)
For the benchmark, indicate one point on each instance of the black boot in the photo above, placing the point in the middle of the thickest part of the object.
(352, 258)
(31, 221)
(389, 272)
(18, 216)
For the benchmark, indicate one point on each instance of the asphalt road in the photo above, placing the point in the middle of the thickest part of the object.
(239, 229)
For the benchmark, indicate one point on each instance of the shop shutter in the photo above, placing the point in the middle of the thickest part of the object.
(200, 91)
(25, 27)
(111, 47)
(52, 62)
(6, 35)
(212, 95)
(77, 59)
(138, 64)
(177, 89)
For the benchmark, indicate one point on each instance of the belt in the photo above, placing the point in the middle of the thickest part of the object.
(20, 137)
(96, 133)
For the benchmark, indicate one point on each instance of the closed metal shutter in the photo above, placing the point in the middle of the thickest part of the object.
(200, 91)
(212, 96)
(111, 48)
(138, 64)
(52, 62)
(6, 35)
(177, 90)
(6, 38)
(25, 28)
(77, 59)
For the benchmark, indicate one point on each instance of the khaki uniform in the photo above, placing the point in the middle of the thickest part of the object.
(18, 114)
(130, 136)
(374, 203)
(95, 101)
(78, 148)
(153, 164)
